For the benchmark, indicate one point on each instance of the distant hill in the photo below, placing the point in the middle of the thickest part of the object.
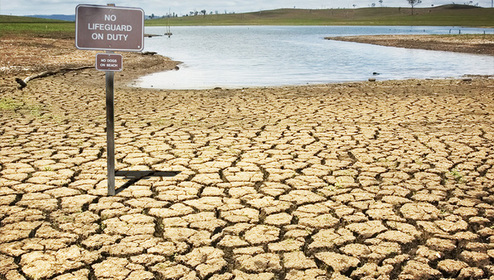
(448, 15)
(36, 27)
(22, 19)
(57, 17)
(459, 6)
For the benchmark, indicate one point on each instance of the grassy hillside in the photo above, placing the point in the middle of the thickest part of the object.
(28, 26)
(17, 19)
(450, 15)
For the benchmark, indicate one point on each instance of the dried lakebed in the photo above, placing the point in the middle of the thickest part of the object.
(384, 180)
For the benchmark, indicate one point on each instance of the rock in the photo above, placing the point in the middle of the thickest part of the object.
(450, 226)
(260, 263)
(205, 260)
(309, 274)
(471, 273)
(329, 239)
(451, 267)
(14, 275)
(141, 275)
(232, 241)
(171, 270)
(112, 268)
(257, 276)
(338, 262)
(367, 270)
(322, 221)
(419, 211)
(367, 229)
(286, 245)
(297, 260)
(476, 259)
(396, 236)
(302, 197)
(356, 250)
(39, 264)
(6, 264)
(279, 219)
(415, 270)
(262, 234)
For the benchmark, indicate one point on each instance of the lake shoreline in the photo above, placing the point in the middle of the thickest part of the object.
(26, 56)
(22, 57)
(476, 44)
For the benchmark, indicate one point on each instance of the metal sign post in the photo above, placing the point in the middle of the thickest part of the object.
(110, 131)
(112, 28)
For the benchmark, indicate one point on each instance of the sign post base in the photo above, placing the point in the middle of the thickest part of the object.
(135, 176)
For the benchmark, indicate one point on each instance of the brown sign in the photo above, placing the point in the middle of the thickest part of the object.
(108, 62)
(109, 28)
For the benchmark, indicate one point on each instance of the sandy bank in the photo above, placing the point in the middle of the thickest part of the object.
(21, 57)
(478, 44)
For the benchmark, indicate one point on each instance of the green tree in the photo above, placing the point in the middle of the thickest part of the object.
(413, 3)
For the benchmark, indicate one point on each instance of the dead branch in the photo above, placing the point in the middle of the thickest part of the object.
(23, 83)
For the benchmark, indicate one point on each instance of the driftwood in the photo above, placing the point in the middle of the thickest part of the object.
(23, 83)
(152, 35)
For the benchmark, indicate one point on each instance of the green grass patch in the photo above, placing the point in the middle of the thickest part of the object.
(19, 19)
(19, 106)
(457, 175)
(7, 104)
(36, 27)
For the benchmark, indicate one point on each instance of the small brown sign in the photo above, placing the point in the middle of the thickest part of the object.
(109, 28)
(109, 62)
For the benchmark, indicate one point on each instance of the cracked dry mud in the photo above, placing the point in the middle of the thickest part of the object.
(385, 180)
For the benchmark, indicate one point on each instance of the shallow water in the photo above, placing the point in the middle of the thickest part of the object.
(253, 56)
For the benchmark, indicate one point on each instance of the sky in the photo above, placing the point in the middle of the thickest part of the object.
(182, 7)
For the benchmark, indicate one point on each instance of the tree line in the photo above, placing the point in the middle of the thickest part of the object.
(204, 12)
